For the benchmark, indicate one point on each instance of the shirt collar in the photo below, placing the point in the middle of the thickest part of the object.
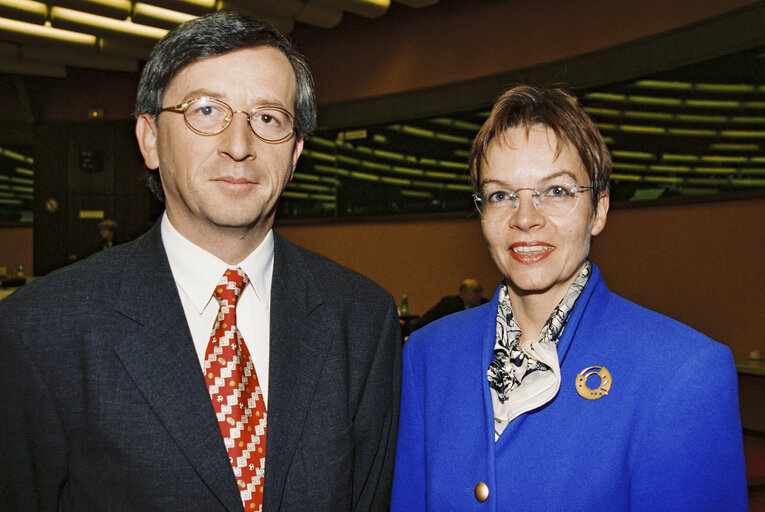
(197, 272)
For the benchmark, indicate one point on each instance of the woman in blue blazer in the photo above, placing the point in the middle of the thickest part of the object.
(558, 394)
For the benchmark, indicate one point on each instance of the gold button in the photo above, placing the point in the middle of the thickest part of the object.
(481, 492)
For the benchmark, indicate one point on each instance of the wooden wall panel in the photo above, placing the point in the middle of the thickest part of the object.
(16, 249)
(701, 264)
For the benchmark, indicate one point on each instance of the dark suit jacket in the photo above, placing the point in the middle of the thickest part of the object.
(446, 306)
(104, 405)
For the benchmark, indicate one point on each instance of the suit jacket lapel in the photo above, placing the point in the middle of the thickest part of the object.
(159, 355)
(299, 343)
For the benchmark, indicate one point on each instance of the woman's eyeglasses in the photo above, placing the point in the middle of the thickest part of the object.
(555, 200)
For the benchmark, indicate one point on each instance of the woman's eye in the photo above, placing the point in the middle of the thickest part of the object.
(496, 197)
(557, 191)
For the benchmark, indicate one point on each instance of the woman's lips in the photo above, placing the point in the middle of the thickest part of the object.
(530, 252)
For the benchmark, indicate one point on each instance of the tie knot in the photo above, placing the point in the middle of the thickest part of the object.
(230, 286)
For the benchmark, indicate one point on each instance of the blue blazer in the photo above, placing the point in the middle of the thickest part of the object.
(666, 437)
(104, 405)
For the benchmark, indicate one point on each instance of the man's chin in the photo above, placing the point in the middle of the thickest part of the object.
(245, 221)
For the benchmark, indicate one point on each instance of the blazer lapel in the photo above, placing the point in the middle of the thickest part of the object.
(299, 343)
(581, 312)
(159, 355)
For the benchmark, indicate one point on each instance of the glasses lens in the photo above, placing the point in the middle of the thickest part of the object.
(487, 205)
(207, 115)
(271, 124)
(557, 200)
(495, 203)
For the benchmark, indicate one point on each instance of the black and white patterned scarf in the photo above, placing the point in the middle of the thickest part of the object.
(525, 377)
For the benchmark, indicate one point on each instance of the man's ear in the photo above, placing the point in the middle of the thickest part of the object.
(296, 151)
(146, 133)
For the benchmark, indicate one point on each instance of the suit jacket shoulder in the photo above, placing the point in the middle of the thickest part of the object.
(102, 381)
(97, 276)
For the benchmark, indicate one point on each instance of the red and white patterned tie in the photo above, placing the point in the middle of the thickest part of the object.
(236, 394)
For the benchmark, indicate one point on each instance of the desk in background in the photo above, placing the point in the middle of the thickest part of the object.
(751, 393)
(4, 292)
(8, 285)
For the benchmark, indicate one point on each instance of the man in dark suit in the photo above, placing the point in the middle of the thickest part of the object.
(470, 296)
(115, 396)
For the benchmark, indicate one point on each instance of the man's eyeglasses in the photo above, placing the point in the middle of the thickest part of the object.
(555, 200)
(210, 116)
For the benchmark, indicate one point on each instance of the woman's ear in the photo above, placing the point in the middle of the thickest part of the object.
(601, 212)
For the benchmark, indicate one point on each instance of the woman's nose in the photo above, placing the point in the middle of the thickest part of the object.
(526, 215)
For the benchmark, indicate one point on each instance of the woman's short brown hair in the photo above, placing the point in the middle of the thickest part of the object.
(526, 106)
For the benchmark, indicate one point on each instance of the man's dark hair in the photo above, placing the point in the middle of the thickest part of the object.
(211, 35)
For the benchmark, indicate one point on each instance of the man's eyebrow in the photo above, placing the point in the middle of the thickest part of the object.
(259, 102)
(198, 93)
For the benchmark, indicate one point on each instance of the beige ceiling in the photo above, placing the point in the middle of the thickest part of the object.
(43, 37)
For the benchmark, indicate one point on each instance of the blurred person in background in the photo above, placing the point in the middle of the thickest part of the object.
(470, 296)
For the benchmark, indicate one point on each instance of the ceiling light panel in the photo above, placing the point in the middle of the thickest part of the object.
(103, 26)
(23, 32)
(117, 9)
(24, 10)
(156, 16)
(196, 7)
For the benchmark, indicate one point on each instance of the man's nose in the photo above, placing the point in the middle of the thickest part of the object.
(239, 141)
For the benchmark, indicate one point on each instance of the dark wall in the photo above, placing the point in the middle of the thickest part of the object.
(86, 170)
(459, 40)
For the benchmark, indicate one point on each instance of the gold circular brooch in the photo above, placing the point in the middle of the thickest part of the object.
(601, 390)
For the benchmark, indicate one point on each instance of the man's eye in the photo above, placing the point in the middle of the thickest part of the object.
(266, 119)
(205, 111)
(274, 118)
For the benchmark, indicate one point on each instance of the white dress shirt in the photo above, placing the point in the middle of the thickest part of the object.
(196, 273)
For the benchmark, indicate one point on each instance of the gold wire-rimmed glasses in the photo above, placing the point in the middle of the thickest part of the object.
(210, 116)
(554, 200)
